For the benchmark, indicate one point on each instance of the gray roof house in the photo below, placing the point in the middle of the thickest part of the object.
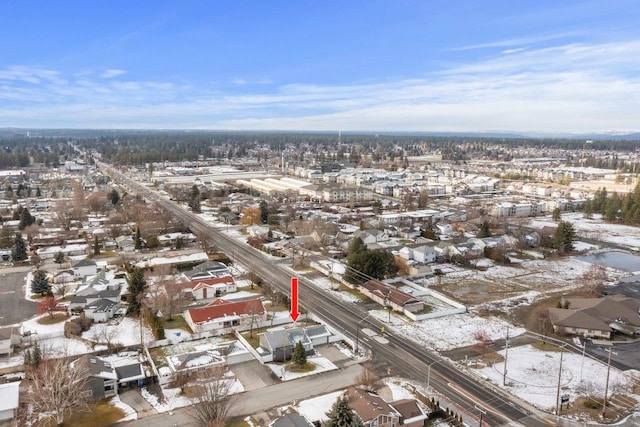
(281, 342)
(291, 420)
(207, 269)
(102, 377)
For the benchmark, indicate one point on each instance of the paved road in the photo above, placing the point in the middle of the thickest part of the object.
(263, 399)
(406, 358)
(13, 307)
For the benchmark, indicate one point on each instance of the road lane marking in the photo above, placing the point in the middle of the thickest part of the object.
(7, 292)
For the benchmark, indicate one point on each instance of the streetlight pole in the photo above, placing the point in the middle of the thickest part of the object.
(429, 372)
(606, 386)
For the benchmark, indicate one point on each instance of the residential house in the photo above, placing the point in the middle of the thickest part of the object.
(103, 380)
(372, 409)
(64, 276)
(222, 315)
(281, 342)
(422, 254)
(210, 288)
(411, 413)
(9, 338)
(9, 402)
(101, 310)
(85, 267)
(126, 243)
(206, 270)
(387, 295)
(443, 230)
(597, 317)
(291, 420)
(170, 239)
(371, 236)
(89, 295)
(130, 372)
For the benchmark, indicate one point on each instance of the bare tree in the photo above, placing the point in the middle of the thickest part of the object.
(367, 378)
(206, 239)
(212, 400)
(62, 214)
(175, 298)
(57, 388)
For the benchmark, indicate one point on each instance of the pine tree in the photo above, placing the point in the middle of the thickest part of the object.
(38, 192)
(137, 241)
(36, 356)
(19, 252)
(564, 237)
(96, 246)
(299, 355)
(40, 283)
(27, 357)
(341, 415)
(137, 287)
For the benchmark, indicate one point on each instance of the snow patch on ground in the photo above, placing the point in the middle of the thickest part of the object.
(321, 365)
(130, 414)
(315, 409)
(326, 284)
(126, 332)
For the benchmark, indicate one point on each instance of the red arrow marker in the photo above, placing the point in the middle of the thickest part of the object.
(294, 299)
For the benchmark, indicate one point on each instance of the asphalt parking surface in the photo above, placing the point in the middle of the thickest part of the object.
(13, 307)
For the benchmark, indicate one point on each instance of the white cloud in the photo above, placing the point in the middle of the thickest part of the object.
(565, 88)
(111, 73)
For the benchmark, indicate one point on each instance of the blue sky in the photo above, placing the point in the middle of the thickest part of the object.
(527, 66)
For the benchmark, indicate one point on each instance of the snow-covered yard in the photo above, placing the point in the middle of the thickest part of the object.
(321, 365)
(532, 375)
(126, 332)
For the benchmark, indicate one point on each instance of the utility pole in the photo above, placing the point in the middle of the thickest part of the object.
(482, 412)
(506, 353)
(606, 386)
(559, 377)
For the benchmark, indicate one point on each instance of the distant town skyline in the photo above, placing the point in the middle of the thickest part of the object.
(544, 66)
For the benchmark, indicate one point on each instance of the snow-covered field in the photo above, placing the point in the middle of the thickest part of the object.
(326, 284)
(532, 375)
(315, 409)
(446, 333)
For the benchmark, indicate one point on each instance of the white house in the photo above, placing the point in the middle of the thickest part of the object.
(211, 288)
(424, 254)
(85, 267)
(101, 310)
(9, 401)
(372, 236)
(9, 337)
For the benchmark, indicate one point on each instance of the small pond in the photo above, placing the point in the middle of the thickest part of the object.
(618, 260)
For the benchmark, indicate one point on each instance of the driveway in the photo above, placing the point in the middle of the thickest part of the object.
(13, 307)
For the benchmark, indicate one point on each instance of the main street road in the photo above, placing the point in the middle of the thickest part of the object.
(404, 357)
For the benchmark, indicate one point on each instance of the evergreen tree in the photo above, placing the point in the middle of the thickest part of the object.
(137, 288)
(27, 357)
(19, 252)
(485, 230)
(36, 356)
(341, 415)
(40, 283)
(113, 197)
(299, 355)
(26, 219)
(555, 215)
(38, 192)
(137, 241)
(264, 211)
(58, 258)
(96, 246)
(7, 237)
(564, 237)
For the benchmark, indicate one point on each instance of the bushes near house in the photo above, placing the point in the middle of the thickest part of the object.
(75, 327)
